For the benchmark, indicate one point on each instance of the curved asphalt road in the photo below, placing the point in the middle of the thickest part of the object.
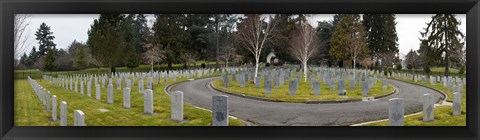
(199, 94)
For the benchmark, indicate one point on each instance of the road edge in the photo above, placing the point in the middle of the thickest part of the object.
(168, 88)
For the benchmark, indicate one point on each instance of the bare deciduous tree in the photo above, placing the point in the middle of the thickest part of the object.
(228, 53)
(189, 58)
(387, 58)
(253, 33)
(304, 44)
(153, 54)
(40, 63)
(412, 59)
(367, 62)
(20, 32)
(357, 45)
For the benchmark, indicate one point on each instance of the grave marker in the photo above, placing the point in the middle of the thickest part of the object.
(395, 112)
(177, 106)
(292, 87)
(457, 103)
(148, 102)
(220, 110)
(126, 97)
(428, 107)
(110, 94)
(63, 113)
(268, 86)
(54, 108)
(79, 118)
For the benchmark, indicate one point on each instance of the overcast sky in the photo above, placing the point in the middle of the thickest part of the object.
(69, 27)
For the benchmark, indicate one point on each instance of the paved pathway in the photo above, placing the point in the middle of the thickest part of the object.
(198, 93)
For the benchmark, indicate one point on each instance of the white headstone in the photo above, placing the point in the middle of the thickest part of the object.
(148, 102)
(177, 106)
(81, 87)
(395, 112)
(63, 113)
(89, 89)
(457, 103)
(428, 107)
(54, 108)
(47, 100)
(79, 118)
(97, 93)
(126, 97)
(140, 86)
(110, 94)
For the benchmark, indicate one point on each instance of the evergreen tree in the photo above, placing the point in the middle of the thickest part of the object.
(348, 40)
(24, 59)
(324, 31)
(105, 39)
(382, 35)
(133, 59)
(141, 31)
(32, 57)
(280, 41)
(81, 58)
(444, 38)
(427, 57)
(170, 32)
(45, 38)
(132, 39)
(197, 28)
(50, 64)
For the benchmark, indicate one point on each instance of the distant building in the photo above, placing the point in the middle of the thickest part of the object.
(270, 56)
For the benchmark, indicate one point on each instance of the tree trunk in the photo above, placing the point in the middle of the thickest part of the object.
(354, 67)
(446, 48)
(305, 70)
(226, 63)
(447, 63)
(256, 70)
(217, 42)
(413, 72)
(152, 66)
(169, 65)
(110, 71)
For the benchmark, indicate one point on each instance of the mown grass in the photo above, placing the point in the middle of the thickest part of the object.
(443, 117)
(443, 114)
(304, 92)
(440, 71)
(35, 73)
(29, 111)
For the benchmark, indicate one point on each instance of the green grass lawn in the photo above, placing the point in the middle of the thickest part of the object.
(434, 71)
(443, 114)
(23, 74)
(304, 92)
(443, 117)
(442, 69)
(29, 111)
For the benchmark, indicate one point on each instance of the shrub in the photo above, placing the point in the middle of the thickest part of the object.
(398, 66)
(426, 69)
(461, 70)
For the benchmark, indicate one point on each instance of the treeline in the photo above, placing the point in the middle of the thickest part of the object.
(349, 40)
